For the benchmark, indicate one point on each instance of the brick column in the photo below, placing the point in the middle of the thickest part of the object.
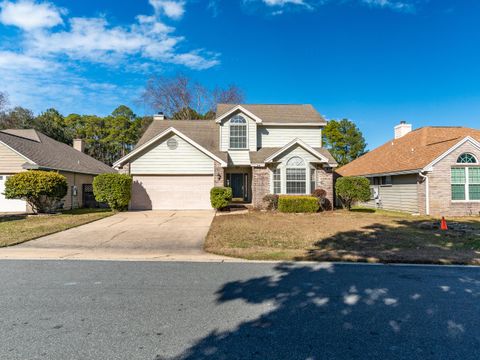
(260, 186)
(325, 182)
(218, 175)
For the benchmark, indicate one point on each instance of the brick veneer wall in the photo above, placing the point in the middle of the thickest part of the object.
(218, 174)
(260, 185)
(325, 182)
(440, 187)
(421, 191)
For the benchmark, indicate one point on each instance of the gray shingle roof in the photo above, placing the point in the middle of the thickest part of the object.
(51, 154)
(279, 113)
(258, 157)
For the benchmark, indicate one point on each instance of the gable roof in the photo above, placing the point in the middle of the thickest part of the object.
(306, 147)
(277, 113)
(410, 153)
(43, 152)
(203, 132)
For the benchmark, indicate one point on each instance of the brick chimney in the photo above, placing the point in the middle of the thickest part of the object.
(159, 116)
(79, 144)
(402, 129)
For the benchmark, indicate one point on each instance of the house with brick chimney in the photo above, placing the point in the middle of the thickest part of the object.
(28, 149)
(433, 170)
(256, 149)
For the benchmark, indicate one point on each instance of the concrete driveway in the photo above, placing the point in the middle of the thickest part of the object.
(141, 235)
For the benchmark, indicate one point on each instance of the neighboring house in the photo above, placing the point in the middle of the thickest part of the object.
(431, 170)
(254, 149)
(27, 149)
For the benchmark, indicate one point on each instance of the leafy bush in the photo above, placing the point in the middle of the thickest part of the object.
(272, 201)
(220, 197)
(298, 204)
(323, 202)
(351, 189)
(113, 189)
(42, 190)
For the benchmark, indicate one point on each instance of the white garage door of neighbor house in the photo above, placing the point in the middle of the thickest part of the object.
(172, 192)
(7, 205)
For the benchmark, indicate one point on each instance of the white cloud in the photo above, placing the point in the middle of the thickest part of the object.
(172, 9)
(283, 2)
(396, 5)
(390, 4)
(10, 60)
(51, 66)
(29, 15)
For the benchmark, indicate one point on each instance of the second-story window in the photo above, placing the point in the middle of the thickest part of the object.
(238, 132)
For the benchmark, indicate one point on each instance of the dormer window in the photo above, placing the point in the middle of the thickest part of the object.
(238, 132)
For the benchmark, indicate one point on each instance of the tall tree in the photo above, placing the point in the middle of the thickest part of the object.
(52, 124)
(17, 118)
(180, 97)
(344, 140)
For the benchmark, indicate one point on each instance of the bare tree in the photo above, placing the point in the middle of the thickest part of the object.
(3, 101)
(180, 97)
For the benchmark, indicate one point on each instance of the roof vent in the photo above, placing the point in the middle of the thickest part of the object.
(402, 129)
(159, 116)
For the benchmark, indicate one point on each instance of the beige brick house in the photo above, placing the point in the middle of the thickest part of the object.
(431, 170)
(27, 149)
(254, 149)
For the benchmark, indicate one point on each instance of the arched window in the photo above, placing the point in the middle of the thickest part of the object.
(296, 176)
(465, 180)
(238, 132)
(466, 158)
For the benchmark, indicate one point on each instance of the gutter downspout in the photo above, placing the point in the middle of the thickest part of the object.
(427, 192)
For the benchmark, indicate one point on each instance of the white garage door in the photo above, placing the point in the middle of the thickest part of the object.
(188, 192)
(7, 205)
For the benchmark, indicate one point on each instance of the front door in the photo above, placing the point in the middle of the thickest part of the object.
(236, 183)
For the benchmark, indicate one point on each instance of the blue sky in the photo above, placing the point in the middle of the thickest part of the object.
(375, 62)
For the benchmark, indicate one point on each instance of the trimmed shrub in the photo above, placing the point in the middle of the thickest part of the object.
(298, 204)
(272, 201)
(113, 189)
(323, 202)
(351, 189)
(42, 190)
(220, 196)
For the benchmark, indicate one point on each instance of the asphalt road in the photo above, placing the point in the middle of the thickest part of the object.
(160, 310)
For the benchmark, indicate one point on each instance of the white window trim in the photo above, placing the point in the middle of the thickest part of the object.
(247, 142)
(283, 177)
(466, 185)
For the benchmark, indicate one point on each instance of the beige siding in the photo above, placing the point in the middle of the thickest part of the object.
(238, 158)
(10, 161)
(251, 131)
(171, 192)
(402, 195)
(297, 150)
(74, 179)
(279, 136)
(185, 159)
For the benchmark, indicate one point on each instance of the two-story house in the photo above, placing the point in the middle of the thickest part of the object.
(254, 149)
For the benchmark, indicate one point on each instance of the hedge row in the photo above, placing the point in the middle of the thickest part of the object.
(298, 204)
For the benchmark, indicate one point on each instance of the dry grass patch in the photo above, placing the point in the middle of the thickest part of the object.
(15, 229)
(360, 235)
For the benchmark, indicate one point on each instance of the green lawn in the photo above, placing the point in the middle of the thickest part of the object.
(15, 229)
(360, 235)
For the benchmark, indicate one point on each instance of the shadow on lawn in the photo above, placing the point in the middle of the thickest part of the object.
(12, 217)
(332, 311)
(402, 241)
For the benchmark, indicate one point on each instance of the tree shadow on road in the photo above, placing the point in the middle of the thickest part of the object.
(328, 311)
